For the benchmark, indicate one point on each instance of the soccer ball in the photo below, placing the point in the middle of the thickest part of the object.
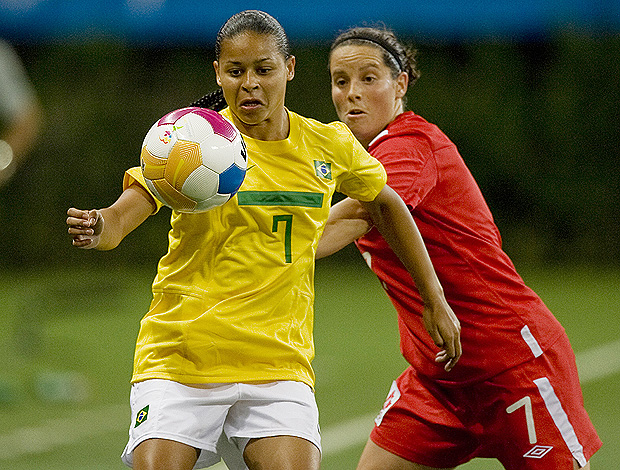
(193, 159)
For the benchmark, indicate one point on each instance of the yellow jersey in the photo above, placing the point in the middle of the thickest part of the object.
(233, 297)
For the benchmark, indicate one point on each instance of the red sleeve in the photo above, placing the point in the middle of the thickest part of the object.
(410, 166)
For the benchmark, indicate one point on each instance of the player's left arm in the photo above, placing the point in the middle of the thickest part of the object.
(391, 216)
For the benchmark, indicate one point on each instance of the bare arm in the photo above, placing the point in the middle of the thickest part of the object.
(347, 221)
(104, 229)
(391, 216)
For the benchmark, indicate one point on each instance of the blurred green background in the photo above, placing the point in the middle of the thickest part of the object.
(536, 119)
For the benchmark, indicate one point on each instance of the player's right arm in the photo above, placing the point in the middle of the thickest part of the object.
(347, 222)
(104, 229)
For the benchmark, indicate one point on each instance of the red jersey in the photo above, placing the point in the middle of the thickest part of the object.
(503, 322)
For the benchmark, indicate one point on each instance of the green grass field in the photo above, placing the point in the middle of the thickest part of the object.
(67, 341)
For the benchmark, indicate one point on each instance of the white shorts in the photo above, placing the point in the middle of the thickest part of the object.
(220, 419)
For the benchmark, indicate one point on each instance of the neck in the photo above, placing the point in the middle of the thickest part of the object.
(276, 127)
(399, 110)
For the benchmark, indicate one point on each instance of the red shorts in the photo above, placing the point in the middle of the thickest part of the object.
(531, 417)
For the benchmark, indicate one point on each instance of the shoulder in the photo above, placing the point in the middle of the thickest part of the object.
(334, 138)
(408, 124)
(410, 132)
(313, 126)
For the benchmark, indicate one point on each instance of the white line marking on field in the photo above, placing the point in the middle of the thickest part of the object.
(343, 436)
(599, 362)
(58, 432)
(593, 364)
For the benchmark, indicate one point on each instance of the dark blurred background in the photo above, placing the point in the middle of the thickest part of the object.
(528, 90)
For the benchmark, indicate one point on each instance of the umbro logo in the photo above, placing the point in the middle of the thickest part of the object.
(537, 452)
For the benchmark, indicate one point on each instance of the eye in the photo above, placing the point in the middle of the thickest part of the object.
(263, 70)
(340, 82)
(369, 78)
(235, 72)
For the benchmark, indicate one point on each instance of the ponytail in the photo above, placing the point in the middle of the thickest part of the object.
(214, 100)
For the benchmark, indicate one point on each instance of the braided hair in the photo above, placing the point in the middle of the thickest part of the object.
(213, 100)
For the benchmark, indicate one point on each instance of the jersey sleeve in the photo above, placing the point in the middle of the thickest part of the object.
(363, 177)
(410, 166)
(134, 175)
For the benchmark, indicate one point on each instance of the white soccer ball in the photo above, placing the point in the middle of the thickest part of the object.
(193, 159)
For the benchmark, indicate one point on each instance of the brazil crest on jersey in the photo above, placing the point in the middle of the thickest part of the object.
(233, 297)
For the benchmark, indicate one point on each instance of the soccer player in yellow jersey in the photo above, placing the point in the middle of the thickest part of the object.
(222, 362)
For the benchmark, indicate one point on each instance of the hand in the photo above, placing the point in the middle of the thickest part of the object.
(85, 227)
(445, 330)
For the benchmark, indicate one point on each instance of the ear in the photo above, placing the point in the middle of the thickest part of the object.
(216, 66)
(402, 82)
(290, 68)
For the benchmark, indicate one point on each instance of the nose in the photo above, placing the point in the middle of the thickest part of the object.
(353, 93)
(250, 81)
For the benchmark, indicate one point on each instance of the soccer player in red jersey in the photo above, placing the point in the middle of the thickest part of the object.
(515, 394)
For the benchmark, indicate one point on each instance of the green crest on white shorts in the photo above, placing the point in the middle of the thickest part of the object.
(142, 415)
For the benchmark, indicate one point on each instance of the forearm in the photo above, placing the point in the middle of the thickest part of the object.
(395, 223)
(131, 209)
(346, 223)
(111, 232)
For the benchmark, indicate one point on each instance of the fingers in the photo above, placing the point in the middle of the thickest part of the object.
(452, 348)
(81, 226)
(452, 345)
(81, 242)
(447, 336)
(77, 213)
(442, 356)
(81, 217)
(93, 217)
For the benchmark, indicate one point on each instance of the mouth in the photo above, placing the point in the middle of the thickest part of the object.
(353, 113)
(250, 104)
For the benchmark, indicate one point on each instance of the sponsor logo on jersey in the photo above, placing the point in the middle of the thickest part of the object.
(323, 169)
(142, 415)
(537, 452)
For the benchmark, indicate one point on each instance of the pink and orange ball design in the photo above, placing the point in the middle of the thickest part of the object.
(193, 159)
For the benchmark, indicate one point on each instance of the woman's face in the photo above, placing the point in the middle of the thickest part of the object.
(253, 75)
(365, 95)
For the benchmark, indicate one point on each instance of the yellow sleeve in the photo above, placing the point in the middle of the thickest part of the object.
(134, 175)
(365, 176)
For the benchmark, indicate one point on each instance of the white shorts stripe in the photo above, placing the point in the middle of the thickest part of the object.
(560, 419)
(531, 341)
